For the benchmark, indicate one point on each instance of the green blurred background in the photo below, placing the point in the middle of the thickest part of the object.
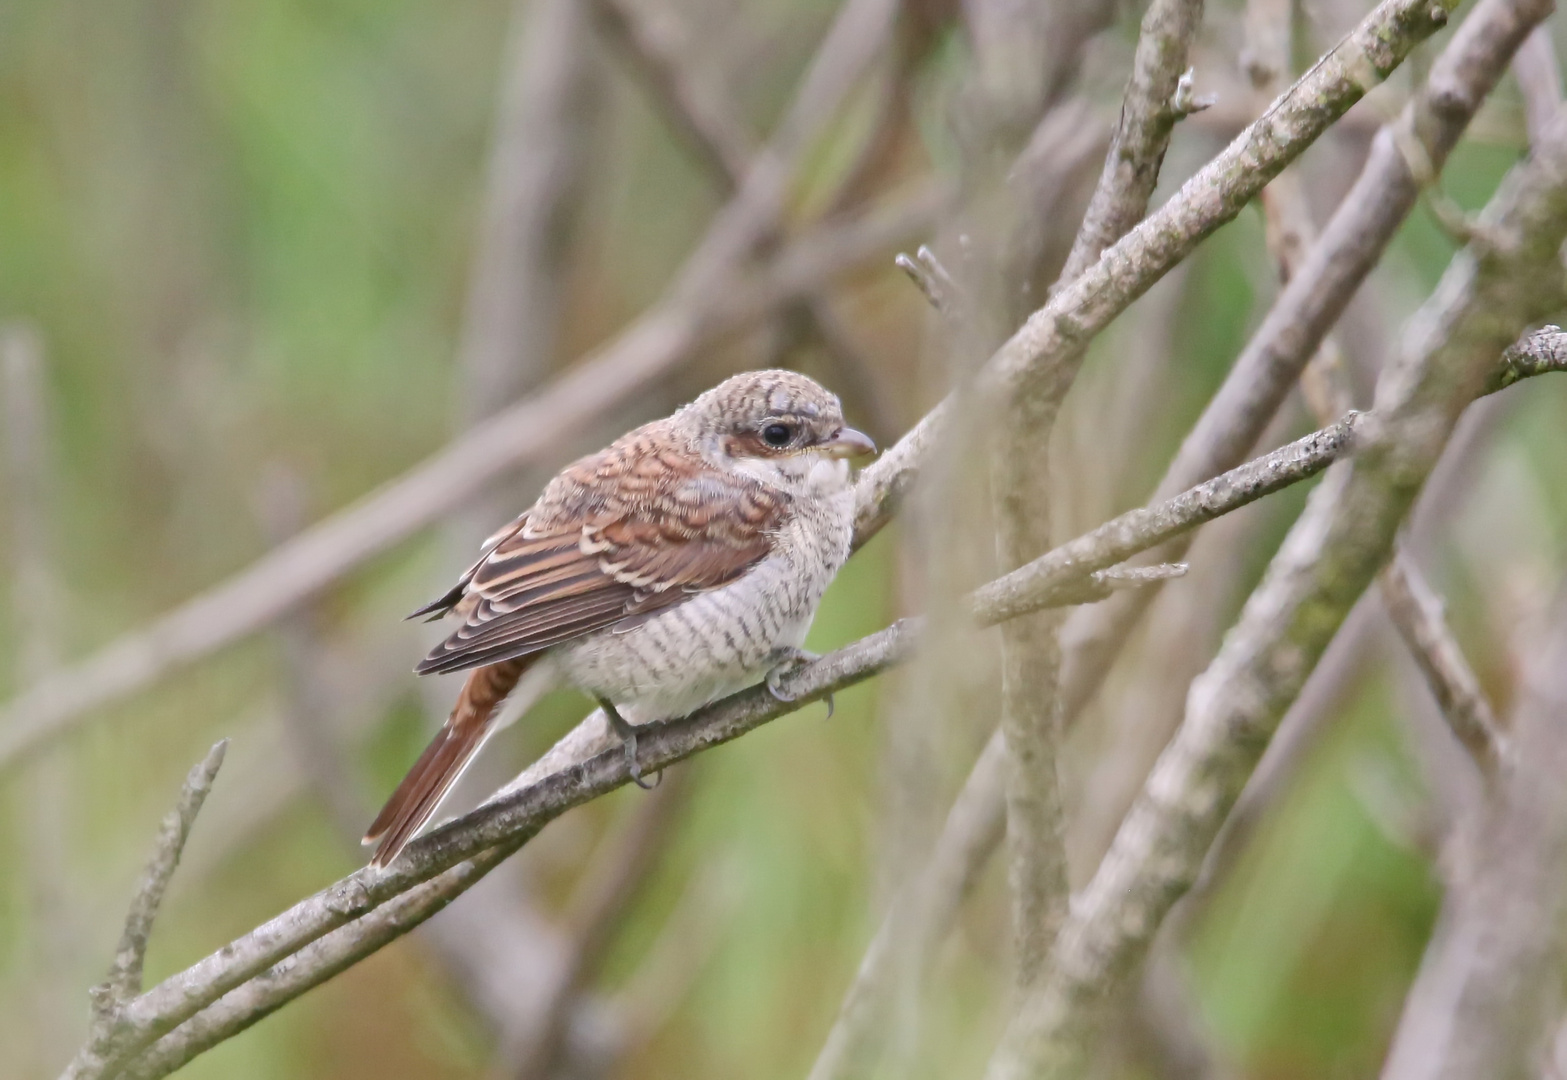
(242, 233)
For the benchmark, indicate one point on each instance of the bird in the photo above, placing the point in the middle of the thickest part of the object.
(680, 564)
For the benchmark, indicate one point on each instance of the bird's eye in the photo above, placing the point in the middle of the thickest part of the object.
(777, 435)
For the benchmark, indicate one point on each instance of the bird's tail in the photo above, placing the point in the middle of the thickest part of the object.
(443, 761)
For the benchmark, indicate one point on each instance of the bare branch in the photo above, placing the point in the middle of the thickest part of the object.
(1149, 111)
(1032, 586)
(1417, 612)
(920, 919)
(933, 280)
(1409, 600)
(1540, 78)
(720, 142)
(296, 973)
(1332, 553)
(1483, 1002)
(124, 981)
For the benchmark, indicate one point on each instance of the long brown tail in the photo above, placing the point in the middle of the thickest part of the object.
(443, 761)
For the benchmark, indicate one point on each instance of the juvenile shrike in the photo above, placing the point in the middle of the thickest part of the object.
(680, 564)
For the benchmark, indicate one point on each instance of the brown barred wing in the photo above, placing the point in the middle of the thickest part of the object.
(566, 574)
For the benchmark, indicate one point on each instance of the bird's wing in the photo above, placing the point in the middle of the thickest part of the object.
(609, 540)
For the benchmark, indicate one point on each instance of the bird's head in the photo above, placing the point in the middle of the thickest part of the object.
(780, 426)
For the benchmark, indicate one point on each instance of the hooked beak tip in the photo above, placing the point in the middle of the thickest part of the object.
(848, 443)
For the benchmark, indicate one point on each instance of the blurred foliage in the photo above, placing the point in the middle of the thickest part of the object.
(243, 229)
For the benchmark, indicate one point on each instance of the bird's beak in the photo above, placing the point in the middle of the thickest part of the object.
(847, 443)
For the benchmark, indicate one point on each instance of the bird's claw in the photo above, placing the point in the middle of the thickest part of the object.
(636, 770)
(790, 661)
(628, 741)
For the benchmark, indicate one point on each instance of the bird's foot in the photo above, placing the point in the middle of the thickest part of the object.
(785, 663)
(628, 741)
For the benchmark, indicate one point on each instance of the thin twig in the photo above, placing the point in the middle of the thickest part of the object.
(1149, 112)
(1484, 1001)
(124, 982)
(1537, 353)
(1043, 580)
(1417, 613)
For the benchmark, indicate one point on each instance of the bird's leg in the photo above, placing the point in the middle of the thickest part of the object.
(628, 739)
(787, 660)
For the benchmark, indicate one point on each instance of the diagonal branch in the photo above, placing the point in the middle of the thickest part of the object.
(1409, 600)
(1416, 611)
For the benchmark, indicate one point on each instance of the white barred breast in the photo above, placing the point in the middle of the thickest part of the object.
(724, 640)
